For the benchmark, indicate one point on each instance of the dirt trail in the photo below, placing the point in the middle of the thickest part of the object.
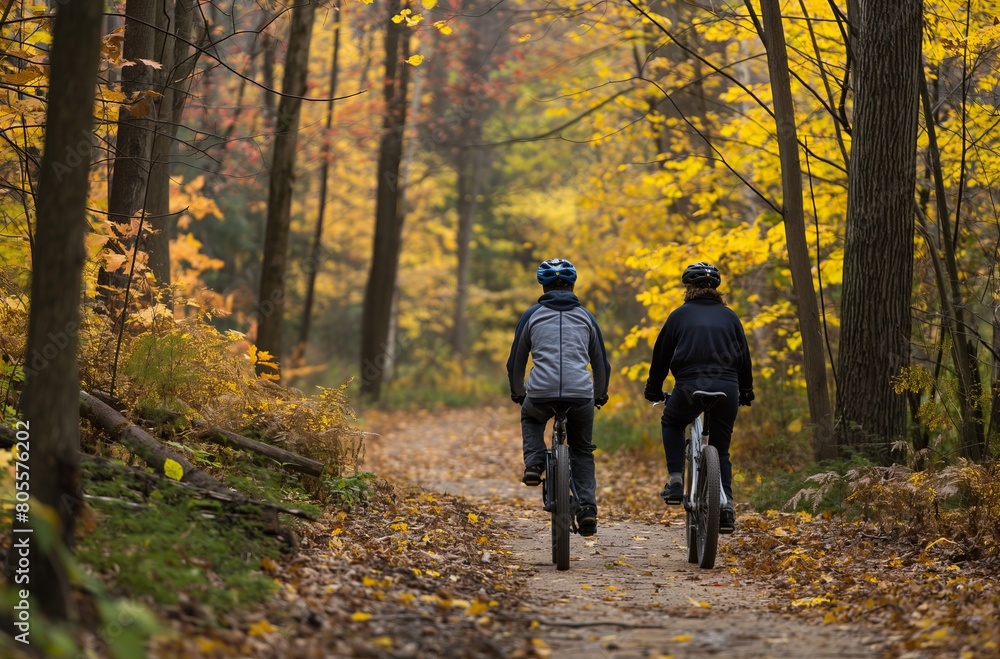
(630, 591)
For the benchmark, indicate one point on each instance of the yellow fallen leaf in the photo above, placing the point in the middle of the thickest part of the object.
(473, 517)
(541, 648)
(700, 605)
(173, 469)
(682, 638)
(260, 628)
(383, 642)
(208, 645)
(415, 60)
(360, 616)
(477, 607)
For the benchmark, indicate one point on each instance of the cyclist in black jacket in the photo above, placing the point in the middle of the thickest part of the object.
(703, 344)
(563, 338)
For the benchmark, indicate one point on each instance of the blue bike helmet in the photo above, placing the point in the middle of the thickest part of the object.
(701, 275)
(556, 270)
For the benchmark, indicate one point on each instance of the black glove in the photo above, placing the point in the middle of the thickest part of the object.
(601, 402)
(517, 399)
(653, 394)
(746, 397)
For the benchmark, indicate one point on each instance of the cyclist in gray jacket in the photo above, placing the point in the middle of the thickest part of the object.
(563, 338)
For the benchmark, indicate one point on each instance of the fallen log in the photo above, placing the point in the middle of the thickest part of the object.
(163, 461)
(8, 436)
(287, 459)
(229, 496)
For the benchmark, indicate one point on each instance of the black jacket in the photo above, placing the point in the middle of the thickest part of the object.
(702, 339)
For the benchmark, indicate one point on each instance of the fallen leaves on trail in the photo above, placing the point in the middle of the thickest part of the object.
(405, 575)
(922, 594)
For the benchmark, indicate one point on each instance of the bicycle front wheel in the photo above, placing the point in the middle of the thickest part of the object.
(691, 526)
(561, 518)
(709, 498)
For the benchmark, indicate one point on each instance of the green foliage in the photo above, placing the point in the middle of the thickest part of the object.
(816, 487)
(267, 482)
(122, 627)
(174, 544)
(627, 428)
(349, 491)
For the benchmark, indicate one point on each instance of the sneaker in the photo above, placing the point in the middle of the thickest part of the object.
(727, 519)
(533, 475)
(672, 493)
(586, 520)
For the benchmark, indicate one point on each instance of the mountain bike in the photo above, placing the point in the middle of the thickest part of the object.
(703, 493)
(558, 495)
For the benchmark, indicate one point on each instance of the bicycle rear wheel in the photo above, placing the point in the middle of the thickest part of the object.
(709, 497)
(561, 517)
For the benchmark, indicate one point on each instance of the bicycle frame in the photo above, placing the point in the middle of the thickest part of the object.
(699, 437)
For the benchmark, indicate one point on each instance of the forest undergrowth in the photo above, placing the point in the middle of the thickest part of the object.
(381, 569)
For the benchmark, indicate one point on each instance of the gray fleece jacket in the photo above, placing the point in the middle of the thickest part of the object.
(562, 338)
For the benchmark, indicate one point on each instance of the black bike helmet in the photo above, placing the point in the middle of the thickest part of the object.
(701, 275)
(556, 270)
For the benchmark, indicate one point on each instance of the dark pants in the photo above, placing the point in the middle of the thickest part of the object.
(681, 409)
(579, 435)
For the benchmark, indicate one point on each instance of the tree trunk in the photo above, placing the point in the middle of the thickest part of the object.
(376, 350)
(954, 321)
(315, 253)
(878, 246)
(470, 177)
(135, 129)
(271, 301)
(133, 146)
(994, 432)
(814, 364)
(268, 54)
(178, 64)
(50, 404)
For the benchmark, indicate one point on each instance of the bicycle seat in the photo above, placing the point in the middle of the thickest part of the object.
(708, 398)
